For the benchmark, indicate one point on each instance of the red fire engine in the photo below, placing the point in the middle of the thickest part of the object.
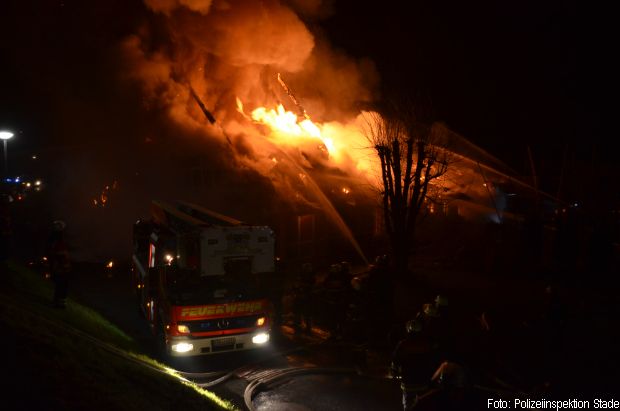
(198, 278)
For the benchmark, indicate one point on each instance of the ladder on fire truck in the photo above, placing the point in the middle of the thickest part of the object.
(186, 216)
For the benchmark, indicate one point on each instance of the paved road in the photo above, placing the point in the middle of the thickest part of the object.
(330, 393)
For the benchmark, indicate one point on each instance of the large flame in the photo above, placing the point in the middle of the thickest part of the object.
(343, 142)
(287, 124)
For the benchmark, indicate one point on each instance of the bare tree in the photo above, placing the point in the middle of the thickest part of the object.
(411, 157)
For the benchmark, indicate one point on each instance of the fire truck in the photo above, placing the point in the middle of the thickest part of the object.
(198, 276)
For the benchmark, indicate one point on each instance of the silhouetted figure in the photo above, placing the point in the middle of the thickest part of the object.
(59, 262)
(275, 287)
(414, 361)
(452, 343)
(303, 303)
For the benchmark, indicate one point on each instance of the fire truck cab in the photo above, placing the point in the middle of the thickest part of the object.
(198, 276)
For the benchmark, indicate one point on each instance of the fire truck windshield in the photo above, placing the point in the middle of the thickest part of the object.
(188, 287)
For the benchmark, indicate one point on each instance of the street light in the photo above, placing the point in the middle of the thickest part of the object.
(5, 136)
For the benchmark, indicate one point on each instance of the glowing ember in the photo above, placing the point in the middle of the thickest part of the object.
(102, 199)
(110, 264)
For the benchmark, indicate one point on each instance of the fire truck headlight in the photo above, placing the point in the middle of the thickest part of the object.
(184, 329)
(182, 347)
(260, 321)
(261, 338)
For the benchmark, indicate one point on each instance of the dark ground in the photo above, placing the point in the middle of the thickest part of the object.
(558, 344)
(553, 332)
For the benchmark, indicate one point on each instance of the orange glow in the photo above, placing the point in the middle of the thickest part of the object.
(110, 264)
(102, 199)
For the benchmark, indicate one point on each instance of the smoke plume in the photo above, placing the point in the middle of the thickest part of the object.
(234, 50)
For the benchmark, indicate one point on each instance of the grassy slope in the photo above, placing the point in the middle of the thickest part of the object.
(50, 368)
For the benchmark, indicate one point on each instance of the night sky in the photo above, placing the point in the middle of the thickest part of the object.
(502, 74)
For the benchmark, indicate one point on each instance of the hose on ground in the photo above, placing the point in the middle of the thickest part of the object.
(260, 383)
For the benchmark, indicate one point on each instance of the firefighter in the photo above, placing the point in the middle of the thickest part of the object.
(413, 362)
(303, 307)
(440, 323)
(59, 263)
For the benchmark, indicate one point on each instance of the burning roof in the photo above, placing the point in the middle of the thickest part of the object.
(284, 102)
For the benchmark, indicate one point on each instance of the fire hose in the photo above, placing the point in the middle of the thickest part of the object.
(226, 375)
(270, 380)
(278, 377)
